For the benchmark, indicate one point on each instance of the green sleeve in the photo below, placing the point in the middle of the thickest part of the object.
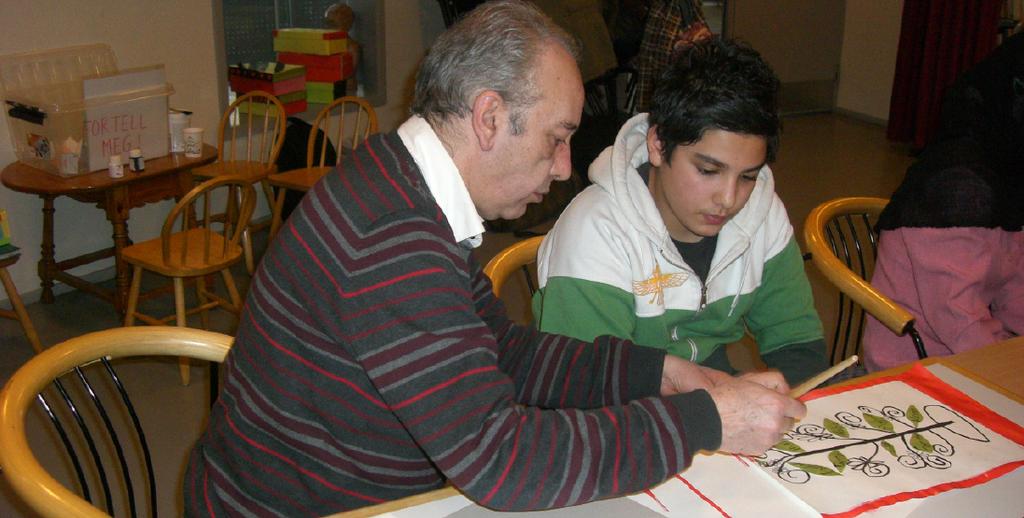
(584, 309)
(783, 313)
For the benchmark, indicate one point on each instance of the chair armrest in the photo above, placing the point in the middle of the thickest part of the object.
(860, 290)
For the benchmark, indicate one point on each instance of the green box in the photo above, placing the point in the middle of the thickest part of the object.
(5, 228)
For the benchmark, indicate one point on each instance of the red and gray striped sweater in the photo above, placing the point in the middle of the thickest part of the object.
(372, 362)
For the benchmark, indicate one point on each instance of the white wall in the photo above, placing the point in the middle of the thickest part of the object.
(868, 62)
(182, 35)
(799, 38)
(412, 26)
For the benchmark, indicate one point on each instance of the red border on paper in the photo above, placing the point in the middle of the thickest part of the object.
(923, 380)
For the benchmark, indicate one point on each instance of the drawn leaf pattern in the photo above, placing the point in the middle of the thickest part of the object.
(889, 448)
(789, 446)
(919, 443)
(838, 460)
(836, 428)
(878, 422)
(914, 415)
(815, 469)
(878, 428)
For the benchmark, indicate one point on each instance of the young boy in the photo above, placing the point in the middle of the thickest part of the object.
(682, 243)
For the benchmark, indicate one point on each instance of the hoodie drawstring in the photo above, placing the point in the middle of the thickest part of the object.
(743, 275)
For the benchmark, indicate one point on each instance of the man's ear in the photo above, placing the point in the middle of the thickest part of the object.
(487, 109)
(654, 155)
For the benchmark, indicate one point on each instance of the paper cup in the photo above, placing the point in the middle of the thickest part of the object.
(193, 142)
(68, 164)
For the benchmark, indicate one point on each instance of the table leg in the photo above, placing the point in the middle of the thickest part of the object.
(122, 282)
(47, 264)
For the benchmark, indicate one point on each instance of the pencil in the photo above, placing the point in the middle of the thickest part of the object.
(812, 383)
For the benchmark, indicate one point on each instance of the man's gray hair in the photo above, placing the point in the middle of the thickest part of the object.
(494, 47)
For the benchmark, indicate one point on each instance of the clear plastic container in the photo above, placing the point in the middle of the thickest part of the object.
(42, 91)
(177, 122)
(53, 119)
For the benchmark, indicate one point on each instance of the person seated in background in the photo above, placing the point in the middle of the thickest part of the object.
(373, 361)
(951, 245)
(682, 243)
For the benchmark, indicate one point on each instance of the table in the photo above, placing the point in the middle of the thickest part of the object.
(165, 177)
(996, 366)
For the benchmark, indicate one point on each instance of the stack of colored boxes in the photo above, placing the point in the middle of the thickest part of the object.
(327, 56)
(286, 81)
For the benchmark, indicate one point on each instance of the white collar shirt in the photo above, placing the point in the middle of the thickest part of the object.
(443, 180)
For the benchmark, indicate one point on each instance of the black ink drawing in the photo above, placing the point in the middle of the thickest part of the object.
(871, 442)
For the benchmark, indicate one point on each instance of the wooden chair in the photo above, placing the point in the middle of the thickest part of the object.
(106, 446)
(249, 138)
(356, 120)
(201, 246)
(516, 257)
(17, 311)
(843, 244)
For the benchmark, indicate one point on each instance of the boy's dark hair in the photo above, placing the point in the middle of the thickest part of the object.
(716, 84)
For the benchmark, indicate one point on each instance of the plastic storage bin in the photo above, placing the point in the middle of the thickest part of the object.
(44, 104)
(48, 113)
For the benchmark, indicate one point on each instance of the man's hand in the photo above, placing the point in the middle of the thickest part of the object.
(679, 375)
(770, 379)
(754, 407)
(755, 411)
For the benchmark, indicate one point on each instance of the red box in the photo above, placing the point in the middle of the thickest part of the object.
(295, 107)
(247, 84)
(326, 69)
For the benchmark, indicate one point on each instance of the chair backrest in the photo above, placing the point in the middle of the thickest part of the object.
(841, 238)
(347, 121)
(252, 129)
(516, 257)
(91, 410)
(220, 206)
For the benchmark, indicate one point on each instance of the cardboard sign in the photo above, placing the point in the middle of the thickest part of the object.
(124, 111)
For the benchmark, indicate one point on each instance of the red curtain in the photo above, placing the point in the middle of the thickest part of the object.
(939, 39)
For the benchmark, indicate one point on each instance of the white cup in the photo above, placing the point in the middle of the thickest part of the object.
(68, 164)
(193, 142)
(176, 124)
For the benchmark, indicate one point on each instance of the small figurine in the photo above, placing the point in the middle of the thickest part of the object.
(340, 17)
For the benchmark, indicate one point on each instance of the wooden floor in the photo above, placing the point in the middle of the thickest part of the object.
(822, 156)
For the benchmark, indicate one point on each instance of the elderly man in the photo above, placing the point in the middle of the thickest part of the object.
(373, 362)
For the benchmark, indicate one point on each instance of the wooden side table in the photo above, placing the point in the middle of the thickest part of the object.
(18, 313)
(165, 177)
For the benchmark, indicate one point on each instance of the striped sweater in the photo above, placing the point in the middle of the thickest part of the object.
(372, 362)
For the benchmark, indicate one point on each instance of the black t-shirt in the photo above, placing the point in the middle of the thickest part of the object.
(698, 255)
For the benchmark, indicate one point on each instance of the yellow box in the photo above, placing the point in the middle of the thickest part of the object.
(321, 42)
